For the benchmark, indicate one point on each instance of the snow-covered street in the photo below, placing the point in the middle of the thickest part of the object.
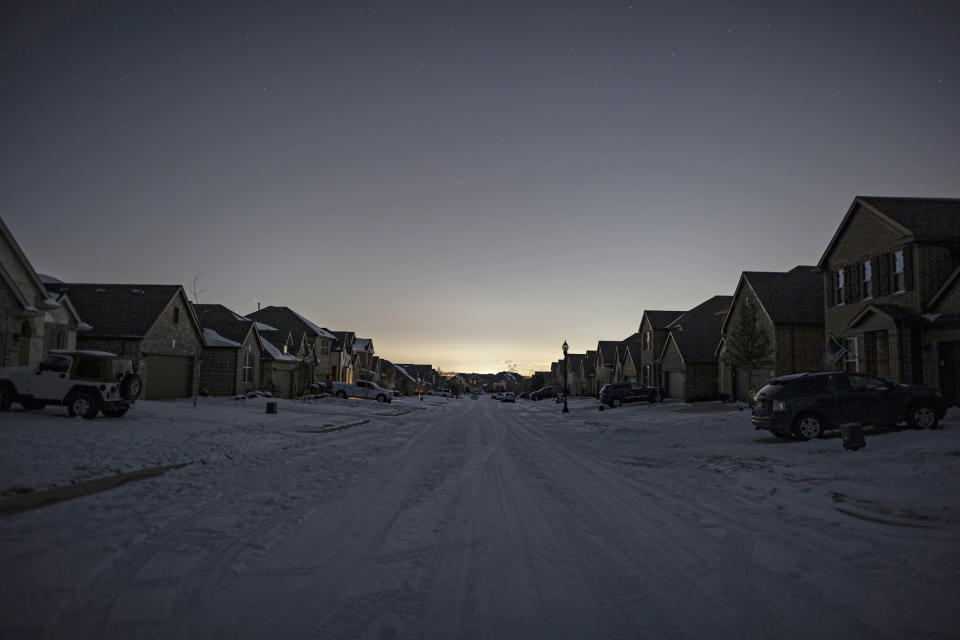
(473, 518)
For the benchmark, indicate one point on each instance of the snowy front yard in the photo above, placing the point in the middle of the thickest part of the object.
(472, 518)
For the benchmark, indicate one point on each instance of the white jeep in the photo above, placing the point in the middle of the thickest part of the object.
(85, 382)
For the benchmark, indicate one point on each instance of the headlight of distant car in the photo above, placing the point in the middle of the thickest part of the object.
(779, 405)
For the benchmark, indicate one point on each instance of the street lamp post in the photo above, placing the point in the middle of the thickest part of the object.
(565, 347)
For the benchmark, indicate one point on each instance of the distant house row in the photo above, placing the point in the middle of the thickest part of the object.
(180, 348)
(884, 299)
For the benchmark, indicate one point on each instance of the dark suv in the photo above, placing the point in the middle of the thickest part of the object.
(807, 404)
(617, 393)
(545, 392)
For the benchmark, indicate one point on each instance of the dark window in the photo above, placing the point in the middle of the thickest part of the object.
(898, 272)
(90, 369)
(176, 315)
(53, 362)
(841, 286)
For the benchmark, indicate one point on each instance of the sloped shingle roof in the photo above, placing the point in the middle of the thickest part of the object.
(607, 350)
(697, 332)
(286, 321)
(794, 297)
(117, 310)
(662, 319)
(225, 322)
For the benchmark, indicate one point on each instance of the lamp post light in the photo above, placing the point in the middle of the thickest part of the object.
(565, 347)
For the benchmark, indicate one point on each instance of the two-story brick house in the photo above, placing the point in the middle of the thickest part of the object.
(653, 335)
(152, 324)
(230, 361)
(887, 297)
(788, 307)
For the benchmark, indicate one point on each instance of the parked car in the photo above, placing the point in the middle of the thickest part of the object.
(524, 396)
(361, 389)
(473, 397)
(397, 394)
(445, 393)
(85, 382)
(618, 393)
(545, 392)
(807, 404)
(508, 397)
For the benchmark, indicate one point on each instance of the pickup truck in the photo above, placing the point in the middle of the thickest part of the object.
(361, 389)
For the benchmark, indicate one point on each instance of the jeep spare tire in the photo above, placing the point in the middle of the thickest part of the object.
(130, 387)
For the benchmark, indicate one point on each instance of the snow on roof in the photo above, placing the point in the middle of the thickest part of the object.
(275, 353)
(214, 339)
(317, 330)
(47, 317)
(404, 372)
(83, 326)
(51, 303)
(239, 318)
(263, 327)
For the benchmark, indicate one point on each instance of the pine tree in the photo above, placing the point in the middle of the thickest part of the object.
(748, 345)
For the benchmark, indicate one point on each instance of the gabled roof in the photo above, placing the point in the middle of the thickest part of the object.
(590, 360)
(223, 321)
(607, 352)
(660, 319)
(344, 340)
(575, 361)
(915, 218)
(792, 297)
(697, 331)
(25, 265)
(892, 311)
(122, 310)
(288, 321)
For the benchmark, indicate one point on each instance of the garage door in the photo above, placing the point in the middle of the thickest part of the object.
(675, 385)
(168, 377)
(284, 382)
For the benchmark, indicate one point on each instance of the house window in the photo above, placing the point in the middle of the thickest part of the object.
(850, 360)
(867, 279)
(898, 277)
(646, 374)
(248, 367)
(54, 339)
(841, 286)
(646, 341)
(176, 315)
(324, 347)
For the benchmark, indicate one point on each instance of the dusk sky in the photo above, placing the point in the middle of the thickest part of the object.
(467, 183)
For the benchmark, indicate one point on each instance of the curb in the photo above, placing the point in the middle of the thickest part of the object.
(46, 498)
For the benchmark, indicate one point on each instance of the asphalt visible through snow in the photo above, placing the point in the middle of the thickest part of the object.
(475, 519)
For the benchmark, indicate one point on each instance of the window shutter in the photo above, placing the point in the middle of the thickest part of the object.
(856, 276)
(833, 288)
(883, 275)
(908, 268)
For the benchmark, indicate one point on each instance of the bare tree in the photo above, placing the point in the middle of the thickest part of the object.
(195, 288)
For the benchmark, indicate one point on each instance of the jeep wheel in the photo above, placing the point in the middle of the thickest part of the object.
(808, 426)
(130, 387)
(83, 404)
(114, 412)
(616, 402)
(922, 416)
(381, 398)
(6, 397)
(33, 405)
(342, 394)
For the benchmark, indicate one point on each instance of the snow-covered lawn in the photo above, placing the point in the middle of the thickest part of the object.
(473, 518)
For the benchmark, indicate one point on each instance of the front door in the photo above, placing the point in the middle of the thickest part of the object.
(876, 346)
